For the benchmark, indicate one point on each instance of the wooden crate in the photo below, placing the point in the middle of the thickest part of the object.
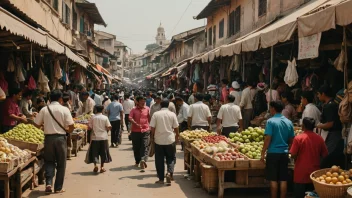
(209, 180)
(255, 163)
(6, 167)
(26, 145)
(195, 150)
(218, 164)
(187, 143)
(243, 163)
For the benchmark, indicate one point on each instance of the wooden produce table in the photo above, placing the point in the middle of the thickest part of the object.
(192, 165)
(25, 173)
(6, 177)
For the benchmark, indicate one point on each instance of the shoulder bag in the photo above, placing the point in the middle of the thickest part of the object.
(57, 122)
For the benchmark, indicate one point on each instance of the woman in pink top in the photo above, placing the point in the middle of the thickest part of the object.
(224, 92)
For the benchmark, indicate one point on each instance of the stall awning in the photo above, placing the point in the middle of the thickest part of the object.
(325, 17)
(18, 27)
(72, 56)
(55, 45)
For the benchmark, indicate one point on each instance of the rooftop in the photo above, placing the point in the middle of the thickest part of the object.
(212, 6)
(92, 11)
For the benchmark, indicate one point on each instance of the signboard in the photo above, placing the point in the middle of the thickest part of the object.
(308, 47)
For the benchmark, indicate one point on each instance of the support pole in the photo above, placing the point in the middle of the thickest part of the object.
(271, 72)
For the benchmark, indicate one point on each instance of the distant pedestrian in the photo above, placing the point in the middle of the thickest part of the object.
(164, 127)
(279, 135)
(115, 114)
(199, 115)
(99, 145)
(139, 117)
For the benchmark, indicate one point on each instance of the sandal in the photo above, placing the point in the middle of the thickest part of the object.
(95, 169)
(60, 191)
(159, 182)
(102, 170)
(168, 180)
(48, 189)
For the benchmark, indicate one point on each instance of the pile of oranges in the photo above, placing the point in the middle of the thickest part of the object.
(335, 176)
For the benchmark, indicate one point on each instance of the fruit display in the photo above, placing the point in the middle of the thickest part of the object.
(249, 135)
(251, 150)
(26, 133)
(230, 155)
(195, 134)
(335, 176)
(83, 119)
(81, 126)
(215, 139)
(298, 131)
(9, 151)
(211, 148)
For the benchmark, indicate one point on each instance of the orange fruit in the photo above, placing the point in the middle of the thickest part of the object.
(335, 174)
(348, 181)
(329, 174)
(334, 180)
(334, 169)
(341, 178)
(328, 179)
(338, 183)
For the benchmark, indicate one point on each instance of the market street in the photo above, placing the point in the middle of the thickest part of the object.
(123, 180)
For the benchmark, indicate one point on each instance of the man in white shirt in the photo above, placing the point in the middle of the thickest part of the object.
(310, 110)
(199, 115)
(246, 104)
(182, 116)
(55, 144)
(236, 92)
(128, 105)
(97, 98)
(164, 129)
(87, 106)
(229, 117)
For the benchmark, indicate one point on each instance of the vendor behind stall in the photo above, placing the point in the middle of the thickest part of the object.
(331, 128)
(279, 134)
(309, 109)
(289, 111)
(11, 112)
(87, 105)
(307, 149)
(26, 105)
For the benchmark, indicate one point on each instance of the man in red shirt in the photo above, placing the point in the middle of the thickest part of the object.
(11, 112)
(307, 149)
(140, 132)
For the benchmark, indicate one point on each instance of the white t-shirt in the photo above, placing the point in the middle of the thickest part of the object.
(128, 106)
(62, 115)
(237, 96)
(98, 123)
(200, 113)
(230, 114)
(183, 113)
(164, 122)
(247, 98)
(311, 111)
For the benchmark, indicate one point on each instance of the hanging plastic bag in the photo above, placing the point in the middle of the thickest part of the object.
(340, 61)
(291, 76)
(57, 70)
(43, 82)
(11, 64)
(19, 75)
(31, 83)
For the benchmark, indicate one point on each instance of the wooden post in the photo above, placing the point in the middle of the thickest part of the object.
(271, 72)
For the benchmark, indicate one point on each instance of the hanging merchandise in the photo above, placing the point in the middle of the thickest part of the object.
(43, 82)
(291, 76)
(31, 83)
(57, 75)
(196, 73)
(19, 71)
(11, 64)
(3, 83)
(340, 61)
(67, 81)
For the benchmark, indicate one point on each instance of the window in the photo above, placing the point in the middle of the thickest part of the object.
(81, 24)
(231, 23)
(55, 4)
(210, 36)
(262, 4)
(214, 34)
(221, 28)
(237, 25)
(66, 12)
(74, 19)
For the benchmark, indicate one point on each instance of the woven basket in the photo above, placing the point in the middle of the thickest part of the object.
(328, 190)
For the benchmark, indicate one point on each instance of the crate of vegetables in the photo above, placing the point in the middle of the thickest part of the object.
(189, 136)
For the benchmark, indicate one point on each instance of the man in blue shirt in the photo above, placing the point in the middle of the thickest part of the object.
(115, 114)
(279, 134)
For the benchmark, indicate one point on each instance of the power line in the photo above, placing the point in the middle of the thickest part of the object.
(181, 17)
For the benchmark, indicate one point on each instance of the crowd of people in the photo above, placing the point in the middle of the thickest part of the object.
(155, 119)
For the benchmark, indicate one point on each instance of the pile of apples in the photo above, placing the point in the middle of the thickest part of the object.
(195, 135)
(249, 135)
(335, 176)
(215, 139)
(230, 155)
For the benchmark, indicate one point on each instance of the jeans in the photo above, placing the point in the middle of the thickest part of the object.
(127, 121)
(115, 131)
(140, 143)
(162, 152)
(55, 153)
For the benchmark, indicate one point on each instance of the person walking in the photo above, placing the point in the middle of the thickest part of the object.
(128, 105)
(156, 106)
(229, 117)
(246, 105)
(115, 114)
(57, 122)
(139, 117)
(279, 135)
(236, 92)
(199, 115)
(182, 116)
(164, 132)
(307, 150)
(99, 145)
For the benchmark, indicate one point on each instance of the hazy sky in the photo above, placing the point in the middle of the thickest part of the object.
(135, 22)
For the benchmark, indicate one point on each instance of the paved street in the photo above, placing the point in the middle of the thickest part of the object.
(123, 180)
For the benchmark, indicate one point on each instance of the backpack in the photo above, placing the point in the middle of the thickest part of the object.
(345, 110)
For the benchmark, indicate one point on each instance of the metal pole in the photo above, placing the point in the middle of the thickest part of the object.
(271, 72)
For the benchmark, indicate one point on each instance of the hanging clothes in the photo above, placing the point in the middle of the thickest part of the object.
(43, 82)
(57, 75)
(291, 75)
(19, 71)
(11, 64)
(31, 83)
(196, 73)
(3, 83)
